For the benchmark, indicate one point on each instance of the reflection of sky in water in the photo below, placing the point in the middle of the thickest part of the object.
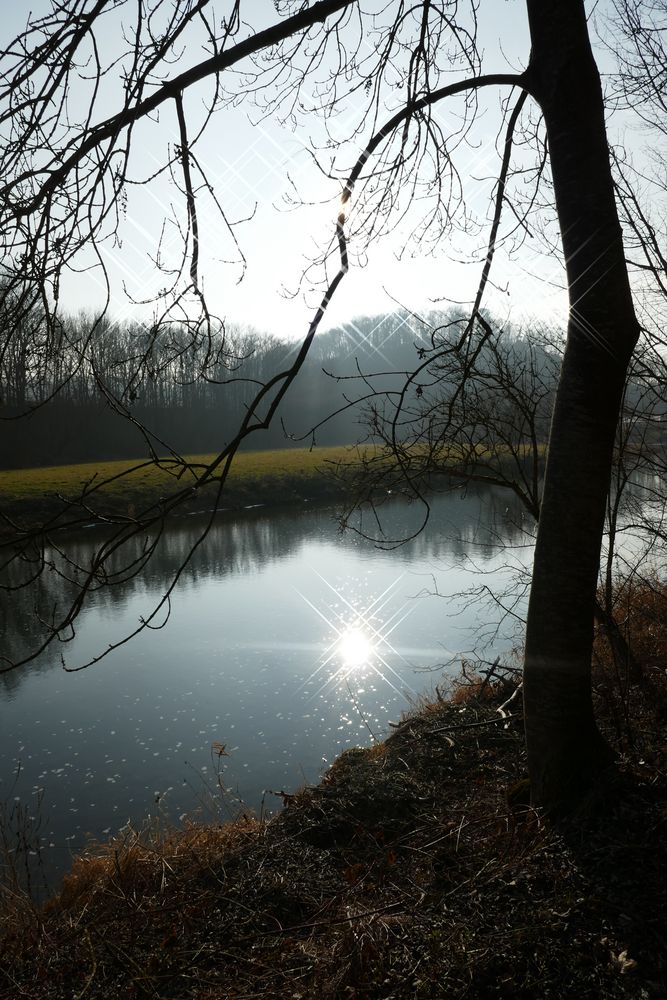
(262, 654)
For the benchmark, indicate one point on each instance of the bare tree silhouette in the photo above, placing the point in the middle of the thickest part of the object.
(65, 180)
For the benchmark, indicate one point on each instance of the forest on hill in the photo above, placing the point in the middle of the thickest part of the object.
(120, 390)
(100, 373)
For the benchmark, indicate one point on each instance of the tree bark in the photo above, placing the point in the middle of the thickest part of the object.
(566, 752)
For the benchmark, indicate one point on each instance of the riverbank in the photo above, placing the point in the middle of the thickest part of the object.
(68, 496)
(415, 869)
(119, 490)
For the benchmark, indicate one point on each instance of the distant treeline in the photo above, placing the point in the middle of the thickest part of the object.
(85, 390)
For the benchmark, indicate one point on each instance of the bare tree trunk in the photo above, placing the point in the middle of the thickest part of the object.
(565, 750)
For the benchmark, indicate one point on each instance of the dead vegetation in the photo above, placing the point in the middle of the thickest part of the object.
(415, 869)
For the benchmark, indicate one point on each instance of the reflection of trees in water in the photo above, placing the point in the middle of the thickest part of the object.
(481, 520)
(477, 520)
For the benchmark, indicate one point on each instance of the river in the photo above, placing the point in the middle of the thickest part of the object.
(288, 641)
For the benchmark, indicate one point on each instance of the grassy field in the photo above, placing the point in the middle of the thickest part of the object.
(299, 463)
(278, 476)
(122, 489)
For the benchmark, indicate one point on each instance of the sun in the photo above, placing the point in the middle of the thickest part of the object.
(354, 647)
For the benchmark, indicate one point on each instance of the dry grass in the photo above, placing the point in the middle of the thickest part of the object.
(633, 695)
(641, 612)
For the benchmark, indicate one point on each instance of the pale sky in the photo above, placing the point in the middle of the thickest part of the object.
(256, 168)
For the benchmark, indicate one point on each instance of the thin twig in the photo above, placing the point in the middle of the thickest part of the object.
(472, 725)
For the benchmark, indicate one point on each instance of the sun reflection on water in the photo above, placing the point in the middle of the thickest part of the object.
(360, 645)
(354, 647)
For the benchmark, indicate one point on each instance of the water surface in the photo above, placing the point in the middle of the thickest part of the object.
(288, 641)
